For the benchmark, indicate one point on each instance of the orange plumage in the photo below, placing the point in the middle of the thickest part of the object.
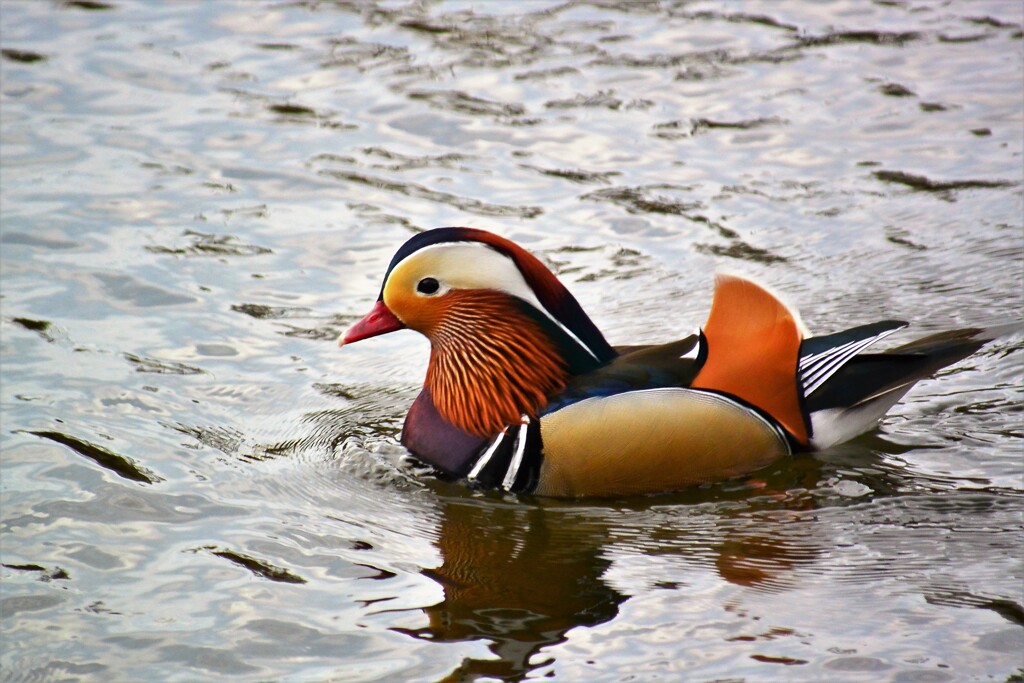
(490, 363)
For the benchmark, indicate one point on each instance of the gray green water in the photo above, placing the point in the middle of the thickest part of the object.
(197, 197)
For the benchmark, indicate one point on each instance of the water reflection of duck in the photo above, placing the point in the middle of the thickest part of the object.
(523, 393)
(521, 576)
(513, 579)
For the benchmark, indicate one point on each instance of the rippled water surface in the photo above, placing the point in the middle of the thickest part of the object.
(197, 197)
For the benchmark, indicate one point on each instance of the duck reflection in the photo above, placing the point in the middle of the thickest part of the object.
(513, 577)
(521, 574)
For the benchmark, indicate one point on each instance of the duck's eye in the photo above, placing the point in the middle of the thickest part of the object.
(428, 285)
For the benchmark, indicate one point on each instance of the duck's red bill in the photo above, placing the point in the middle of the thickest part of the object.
(378, 321)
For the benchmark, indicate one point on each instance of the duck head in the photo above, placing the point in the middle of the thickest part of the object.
(505, 334)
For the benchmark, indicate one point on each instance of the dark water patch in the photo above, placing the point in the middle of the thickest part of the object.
(969, 38)
(925, 184)
(418, 191)
(28, 603)
(90, 5)
(222, 187)
(541, 74)
(225, 439)
(899, 236)
(330, 158)
(458, 101)
(605, 99)
(161, 367)
(655, 61)
(742, 251)
(61, 670)
(403, 162)
(702, 73)
(701, 124)
(99, 607)
(696, 59)
(993, 22)
(612, 274)
(723, 231)
(327, 331)
(367, 412)
(425, 25)
(378, 573)
(236, 444)
(857, 664)
(575, 175)
(129, 290)
(1010, 610)
(263, 312)
(479, 40)
(743, 18)
(163, 169)
(627, 264)
(211, 659)
(785, 661)
(350, 52)
(55, 574)
(216, 350)
(525, 121)
(777, 56)
(209, 244)
(260, 568)
(895, 90)
(22, 56)
(335, 390)
(292, 110)
(373, 214)
(643, 199)
(40, 327)
(297, 113)
(120, 465)
(639, 103)
(37, 241)
(672, 130)
(575, 249)
(882, 38)
(773, 633)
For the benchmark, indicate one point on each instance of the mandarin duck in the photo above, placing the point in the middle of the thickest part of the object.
(524, 394)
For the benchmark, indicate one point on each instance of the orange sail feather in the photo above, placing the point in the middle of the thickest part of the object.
(753, 349)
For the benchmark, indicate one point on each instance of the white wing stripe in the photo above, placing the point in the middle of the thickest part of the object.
(826, 367)
(817, 368)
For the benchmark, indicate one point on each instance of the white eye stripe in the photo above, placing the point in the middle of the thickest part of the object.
(473, 265)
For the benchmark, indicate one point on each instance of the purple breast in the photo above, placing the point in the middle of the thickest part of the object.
(437, 442)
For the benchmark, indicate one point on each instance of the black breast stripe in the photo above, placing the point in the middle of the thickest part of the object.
(511, 460)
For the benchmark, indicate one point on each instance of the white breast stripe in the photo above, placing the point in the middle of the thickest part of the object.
(487, 455)
(517, 457)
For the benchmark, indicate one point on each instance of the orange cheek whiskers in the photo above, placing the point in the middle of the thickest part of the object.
(490, 364)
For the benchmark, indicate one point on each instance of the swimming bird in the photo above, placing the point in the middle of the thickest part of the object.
(524, 394)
